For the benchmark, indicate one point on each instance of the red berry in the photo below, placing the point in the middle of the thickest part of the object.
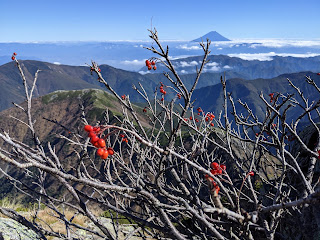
(251, 173)
(217, 189)
(13, 58)
(110, 151)
(207, 119)
(153, 63)
(92, 134)
(162, 99)
(211, 124)
(95, 144)
(88, 128)
(15, 53)
(214, 165)
(96, 129)
(190, 117)
(105, 155)
(223, 167)
(99, 70)
(100, 151)
(214, 171)
(121, 135)
(318, 73)
(101, 143)
(154, 67)
(123, 97)
(147, 63)
(149, 67)
(94, 139)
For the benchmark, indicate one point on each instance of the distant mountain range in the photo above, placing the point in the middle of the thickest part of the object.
(245, 69)
(62, 77)
(212, 36)
(210, 98)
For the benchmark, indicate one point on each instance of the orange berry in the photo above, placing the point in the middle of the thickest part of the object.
(94, 139)
(88, 128)
(101, 143)
(110, 151)
(100, 151)
(223, 167)
(214, 165)
(105, 155)
(92, 134)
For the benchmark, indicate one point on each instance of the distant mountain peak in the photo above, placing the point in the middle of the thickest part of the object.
(213, 36)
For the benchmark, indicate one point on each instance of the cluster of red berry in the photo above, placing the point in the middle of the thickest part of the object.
(14, 56)
(199, 110)
(99, 143)
(271, 95)
(210, 117)
(217, 169)
(124, 139)
(150, 64)
(162, 91)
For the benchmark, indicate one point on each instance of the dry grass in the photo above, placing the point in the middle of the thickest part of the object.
(46, 217)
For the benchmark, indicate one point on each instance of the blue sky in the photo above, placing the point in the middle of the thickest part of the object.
(99, 20)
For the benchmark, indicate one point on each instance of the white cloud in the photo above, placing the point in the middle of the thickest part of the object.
(271, 43)
(134, 62)
(212, 64)
(184, 72)
(269, 56)
(56, 63)
(214, 69)
(143, 72)
(227, 67)
(186, 47)
(188, 64)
